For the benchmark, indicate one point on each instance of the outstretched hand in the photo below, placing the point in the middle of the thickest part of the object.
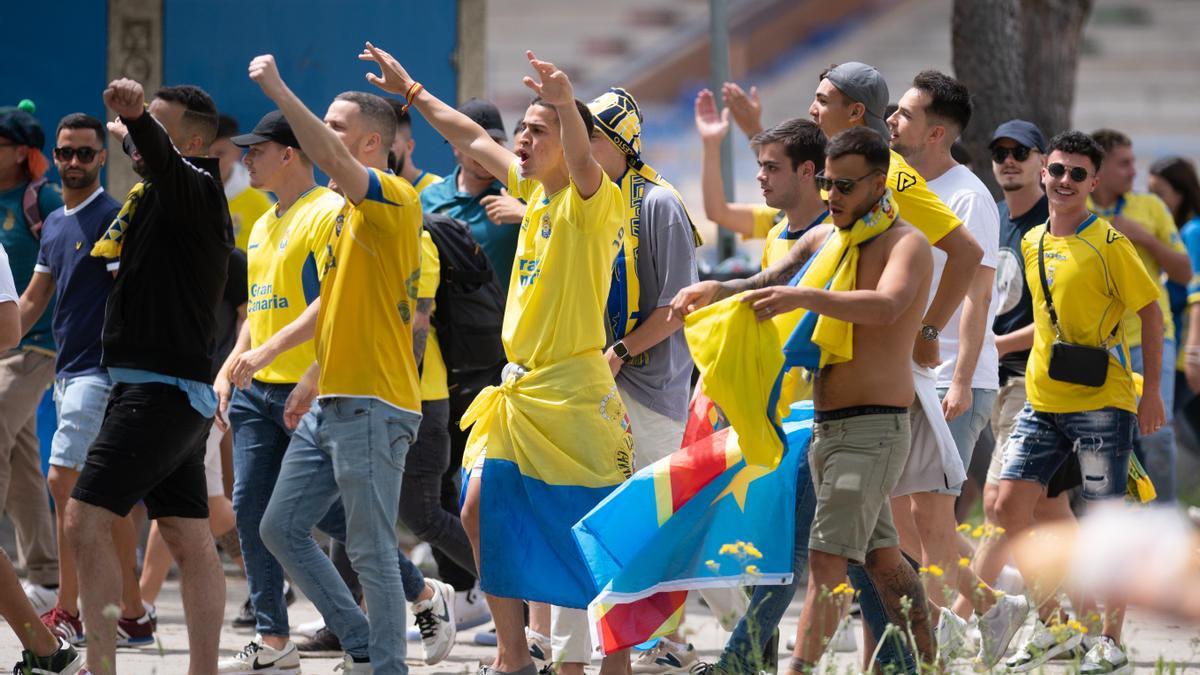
(392, 78)
(746, 108)
(553, 86)
(711, 124)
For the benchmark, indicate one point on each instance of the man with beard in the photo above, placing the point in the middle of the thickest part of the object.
(81, 386)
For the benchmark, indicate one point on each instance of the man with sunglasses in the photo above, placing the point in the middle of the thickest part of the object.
(1145, 220)
(1094, 276)
(26, 371)
(81, 388)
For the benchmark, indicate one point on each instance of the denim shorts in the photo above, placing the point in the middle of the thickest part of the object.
(80, 402)
(1101, 439)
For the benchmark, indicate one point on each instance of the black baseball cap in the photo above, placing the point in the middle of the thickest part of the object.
(272, 127)
(485, 114)
(1025, 133)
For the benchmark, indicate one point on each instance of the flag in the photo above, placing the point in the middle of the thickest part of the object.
(699, 518)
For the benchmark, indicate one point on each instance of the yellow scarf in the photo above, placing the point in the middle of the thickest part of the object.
(625, 292)
(110, 243)
(835, 268)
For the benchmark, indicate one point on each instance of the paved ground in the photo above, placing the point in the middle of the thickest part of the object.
(1150, 637)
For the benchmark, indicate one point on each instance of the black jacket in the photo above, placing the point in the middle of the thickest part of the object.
(161, 314)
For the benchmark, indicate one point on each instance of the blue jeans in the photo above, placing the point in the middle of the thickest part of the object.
(260, 440)
(743, 651)
(352, 448)
(1159, 448)
(966, 428)
(1101, 439)
(893, 652)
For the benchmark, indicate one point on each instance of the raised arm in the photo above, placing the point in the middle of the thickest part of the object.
(746, 108)
(712, 128)
(317, 141)
(555, 88)
(163, 163)
(458, 129)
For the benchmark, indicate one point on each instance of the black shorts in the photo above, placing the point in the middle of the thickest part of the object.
(150, 448)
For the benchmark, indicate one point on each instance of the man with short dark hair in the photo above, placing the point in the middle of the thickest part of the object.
(401, 160)
(27, 370)
(1145, 220)
(246, 203)
(1084, 275)
(174, 238)
(81, 388)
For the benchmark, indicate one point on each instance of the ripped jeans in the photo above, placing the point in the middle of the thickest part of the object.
(1102, 439)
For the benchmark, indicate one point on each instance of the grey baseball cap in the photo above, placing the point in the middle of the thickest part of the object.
(862, 83)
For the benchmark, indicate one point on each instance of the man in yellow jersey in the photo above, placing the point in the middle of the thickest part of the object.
(352, 442)
(246, 202)
(1082, 395)
(576, 430)
(402, 151)
(1145, 220)
(285, 246)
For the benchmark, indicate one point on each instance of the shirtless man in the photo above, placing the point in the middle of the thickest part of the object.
(861, 437)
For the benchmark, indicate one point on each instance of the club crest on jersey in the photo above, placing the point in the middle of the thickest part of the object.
(545, 226)
(341, 220)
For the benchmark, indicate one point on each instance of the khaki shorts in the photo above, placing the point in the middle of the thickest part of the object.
(1009, 401)
(856, 462)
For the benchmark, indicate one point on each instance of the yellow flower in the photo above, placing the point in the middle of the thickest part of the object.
(935, 570)
(977, 532)
(712, 565)
(728, 549)
(965, 527)
(922, 570)
(752, 570)
(964, 562)
(752, 551)
(999, 530)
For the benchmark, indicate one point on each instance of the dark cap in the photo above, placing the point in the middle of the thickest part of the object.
(1025, 133)
(18, 125)
(272, 127)
(486, 115)
(863, 84)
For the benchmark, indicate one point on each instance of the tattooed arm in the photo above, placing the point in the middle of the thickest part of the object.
(421, 328)
(704, 293)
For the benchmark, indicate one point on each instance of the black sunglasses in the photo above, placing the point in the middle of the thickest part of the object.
(1078, 173)
(85, 154)
(1019, 153)
(843, 185)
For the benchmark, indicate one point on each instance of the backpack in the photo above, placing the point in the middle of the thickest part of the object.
(469, 305)
(33, 212)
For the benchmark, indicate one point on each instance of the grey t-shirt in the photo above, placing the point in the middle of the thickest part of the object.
(666, 262)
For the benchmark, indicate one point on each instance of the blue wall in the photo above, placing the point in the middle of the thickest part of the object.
(54, 55)
(316, 44)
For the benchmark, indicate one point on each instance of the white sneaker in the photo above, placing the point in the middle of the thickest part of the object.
(470, 608)
(43, 599)
(998, 626)
(539, 648)
(421, 555)
(435, 620)
(256, 658)
(951, 636)
(309, 629)
(1105, 656)
(1009, 580)
(352, 667)
(665, 657)
(1043, 645)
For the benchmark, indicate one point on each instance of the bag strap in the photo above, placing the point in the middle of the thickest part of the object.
(1046, 287)
(31, 208)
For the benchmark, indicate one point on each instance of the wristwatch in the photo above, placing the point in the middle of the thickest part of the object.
(929, 333)
(622, 351)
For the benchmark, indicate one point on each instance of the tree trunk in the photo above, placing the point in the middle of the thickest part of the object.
(987, 59)
(1019, 59)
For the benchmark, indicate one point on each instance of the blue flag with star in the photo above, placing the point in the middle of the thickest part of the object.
(660, 532)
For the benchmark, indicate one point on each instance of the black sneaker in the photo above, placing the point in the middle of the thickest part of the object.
(245, 617)
(324, 643)
(65, 661)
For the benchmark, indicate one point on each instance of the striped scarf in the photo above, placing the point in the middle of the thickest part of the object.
(110, 243)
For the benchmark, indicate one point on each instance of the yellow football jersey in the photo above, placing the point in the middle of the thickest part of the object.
(368, 297)
(433, 370)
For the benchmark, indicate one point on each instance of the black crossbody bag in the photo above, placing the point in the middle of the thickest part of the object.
(1069, 362)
